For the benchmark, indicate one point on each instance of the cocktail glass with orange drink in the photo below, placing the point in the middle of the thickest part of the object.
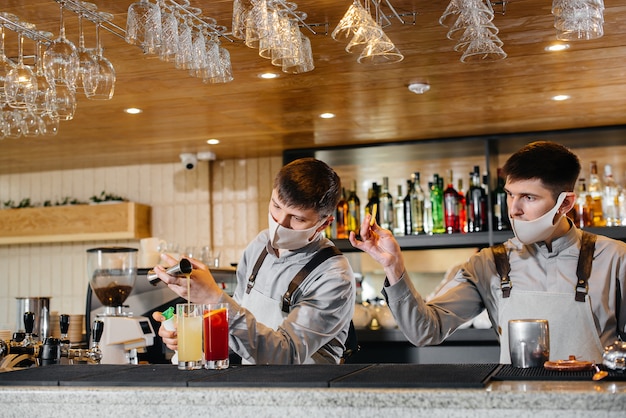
(216, 336)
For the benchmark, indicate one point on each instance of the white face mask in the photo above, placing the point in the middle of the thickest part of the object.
(290, 239)
(529, 232)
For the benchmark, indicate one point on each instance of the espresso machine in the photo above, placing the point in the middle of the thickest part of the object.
(112, 273)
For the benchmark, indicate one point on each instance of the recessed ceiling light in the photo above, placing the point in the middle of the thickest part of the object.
(419, 88)
(213, 141)
(268, 76)
(560, 97)
(557, 47)
(133, 110)
(327, 115)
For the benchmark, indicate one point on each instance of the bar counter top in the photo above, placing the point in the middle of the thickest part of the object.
(395, 390)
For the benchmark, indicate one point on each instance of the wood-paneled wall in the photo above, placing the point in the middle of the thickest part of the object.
(222, 204)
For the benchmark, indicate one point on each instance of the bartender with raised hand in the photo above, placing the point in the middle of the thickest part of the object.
(313, 327)
(549, 270)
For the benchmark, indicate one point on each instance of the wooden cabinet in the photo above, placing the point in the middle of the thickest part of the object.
(124, 220)
(397, 161)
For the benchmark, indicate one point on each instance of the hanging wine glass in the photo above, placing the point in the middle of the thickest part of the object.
(65, 101)
(13, 126)
(20, 84)
(50, 123)
(87, 66)
(60, 61)
(5, 64)
(44, 98)
(105, 85)
(2, 127)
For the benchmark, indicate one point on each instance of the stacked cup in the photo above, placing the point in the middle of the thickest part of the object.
(471, 25)
(179, 33)
(367, 36)
(578, 19)
(273, 26)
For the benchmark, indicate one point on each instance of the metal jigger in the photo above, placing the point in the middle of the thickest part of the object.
(181, 269)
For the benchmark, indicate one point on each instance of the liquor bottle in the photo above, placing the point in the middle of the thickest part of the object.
(596, 190)
(408, 216)
(436, 200)
(485, 203)
(501, 220)
(610, 198)
(451, 207)
(386, 206)
(582, 212)
(418, 204)
(428, 212)
(398, 216)
(475, 203)
(354, 210)
(462, 209)
(341, 217)
(373, 203)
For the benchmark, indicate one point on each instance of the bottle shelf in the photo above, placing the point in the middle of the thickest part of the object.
(475, 239)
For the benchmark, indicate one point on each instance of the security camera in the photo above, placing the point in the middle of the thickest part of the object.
(189, 160)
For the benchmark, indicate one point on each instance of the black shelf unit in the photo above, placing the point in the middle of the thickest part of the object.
(485, 150)
(473, 240)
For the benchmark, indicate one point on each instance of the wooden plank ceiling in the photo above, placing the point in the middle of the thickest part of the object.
(255, 117)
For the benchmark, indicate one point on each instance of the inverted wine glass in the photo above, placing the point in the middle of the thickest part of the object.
(20, 83)
(60, 60)
(105, 85)
(5, 64)
(87, 66)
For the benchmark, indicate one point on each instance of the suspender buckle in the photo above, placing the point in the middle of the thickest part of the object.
(582, 288)
(250, 283)
(286, 302)
(505, 285)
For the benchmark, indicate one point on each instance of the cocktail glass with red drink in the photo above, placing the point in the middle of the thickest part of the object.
(215, 324)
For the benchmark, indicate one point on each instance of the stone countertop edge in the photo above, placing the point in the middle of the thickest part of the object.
(523, 399)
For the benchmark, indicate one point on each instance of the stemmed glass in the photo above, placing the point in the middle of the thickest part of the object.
(46, 92)
(5, 63)
(88, 67)
(105, 85)
(13, 125)
(20, 84)
(60, 61)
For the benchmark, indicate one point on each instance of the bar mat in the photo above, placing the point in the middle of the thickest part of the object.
(305, 375)
(149, 375)
(54, 375)
(419, 376)
(508, 372)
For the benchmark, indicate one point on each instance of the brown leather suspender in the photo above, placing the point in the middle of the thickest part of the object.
(583, 269)
(321, 256)
(504, 268)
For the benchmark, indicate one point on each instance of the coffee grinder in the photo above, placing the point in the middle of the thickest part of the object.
(112, 272)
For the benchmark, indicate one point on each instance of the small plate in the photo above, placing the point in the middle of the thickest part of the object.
(571, 365)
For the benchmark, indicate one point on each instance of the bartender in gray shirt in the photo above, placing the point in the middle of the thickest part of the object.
(314, 326)
(550, 270)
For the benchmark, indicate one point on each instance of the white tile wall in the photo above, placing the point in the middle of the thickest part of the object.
(222, 204)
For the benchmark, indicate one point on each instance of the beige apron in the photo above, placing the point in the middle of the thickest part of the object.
(265, 309)
(570, 323)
